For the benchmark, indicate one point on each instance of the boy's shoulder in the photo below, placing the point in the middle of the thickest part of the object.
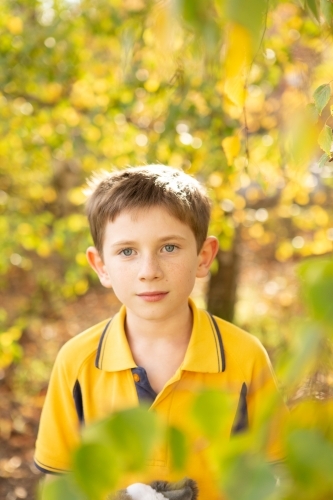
(74, 353)
(236, 334)
(240, 344)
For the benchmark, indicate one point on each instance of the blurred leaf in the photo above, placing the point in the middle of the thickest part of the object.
(306, 349)
(194, 12)
(132, 433)
(312, 112)
(313, 8)
(178, 448)
(135, 432)
(325, 139)
(257, 480)
(317, 288)
(231, 146)
(310, 458)
(321, 97)
(323, 159)
(95, 468)
(326, 8)
(237, 61)
(301, 139)
(60, 488)
(210, 410)
(248, 14)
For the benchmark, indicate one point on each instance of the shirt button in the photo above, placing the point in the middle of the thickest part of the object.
(136, 377)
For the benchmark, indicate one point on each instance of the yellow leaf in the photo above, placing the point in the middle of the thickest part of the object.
(151, 85)
(52, 92)
(231, 146)
(15, 25)
(237, 62)
(235, 90)
(163, 25)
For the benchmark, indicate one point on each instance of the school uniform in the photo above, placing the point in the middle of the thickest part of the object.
(95, 375)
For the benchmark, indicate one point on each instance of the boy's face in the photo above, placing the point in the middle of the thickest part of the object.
(150, 260)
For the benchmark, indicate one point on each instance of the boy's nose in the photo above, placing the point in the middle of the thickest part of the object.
(150, 269)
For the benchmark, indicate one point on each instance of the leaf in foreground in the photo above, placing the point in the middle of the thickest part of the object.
(321, 96)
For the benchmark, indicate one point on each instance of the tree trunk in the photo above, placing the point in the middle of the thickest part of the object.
(223, 284)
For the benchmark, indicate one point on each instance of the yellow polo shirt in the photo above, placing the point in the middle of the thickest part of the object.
(93, 377)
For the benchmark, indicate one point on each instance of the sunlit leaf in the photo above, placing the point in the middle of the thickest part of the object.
(301, 139)
(231, 146)
(15, 25)
(326, 9)
(325, 139)
(237, 60)
(321, 97)
(313, 8)
(323, 159)
(312, 112)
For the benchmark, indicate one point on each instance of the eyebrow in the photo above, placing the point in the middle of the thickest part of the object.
(161, 240)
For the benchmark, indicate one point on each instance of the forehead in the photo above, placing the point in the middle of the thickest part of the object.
(154, 222)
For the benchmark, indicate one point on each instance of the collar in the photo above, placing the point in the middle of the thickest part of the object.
(205, 352)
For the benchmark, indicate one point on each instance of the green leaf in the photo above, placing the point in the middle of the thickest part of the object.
(257, 479)
(210, 409)
(251, 15)
(321, 96)
(310, 458)
(313, 8)
(193, 12)
(311, 112)
(95, 469)
(131, 433)
(135, 432)
(60, 487)
(326, 7)
(323, 159)
(178, 448)
(318, 288)
(325, 139)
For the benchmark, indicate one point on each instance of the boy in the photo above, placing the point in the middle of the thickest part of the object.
(149, 227)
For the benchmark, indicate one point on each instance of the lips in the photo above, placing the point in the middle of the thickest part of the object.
(152, 296)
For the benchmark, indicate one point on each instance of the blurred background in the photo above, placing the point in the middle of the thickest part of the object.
(236, 93)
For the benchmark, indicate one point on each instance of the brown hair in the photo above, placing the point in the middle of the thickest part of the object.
(144, 187)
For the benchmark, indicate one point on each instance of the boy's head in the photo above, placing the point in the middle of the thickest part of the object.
(143, 187)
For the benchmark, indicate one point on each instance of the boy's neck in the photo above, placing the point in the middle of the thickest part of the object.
(159, 346)
(175, 329)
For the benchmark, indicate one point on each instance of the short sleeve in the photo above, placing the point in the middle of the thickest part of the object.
(59, 427)
(267, 411)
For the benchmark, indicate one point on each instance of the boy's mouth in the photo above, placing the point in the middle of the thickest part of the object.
(152, 296)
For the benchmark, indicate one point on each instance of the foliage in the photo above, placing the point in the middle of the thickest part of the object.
(83, 88)
(237, 93)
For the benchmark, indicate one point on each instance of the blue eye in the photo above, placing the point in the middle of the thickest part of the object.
(127, 252)
(169, 248)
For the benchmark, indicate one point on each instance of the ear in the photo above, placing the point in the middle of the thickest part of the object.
(96, 262)
(206, 256)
